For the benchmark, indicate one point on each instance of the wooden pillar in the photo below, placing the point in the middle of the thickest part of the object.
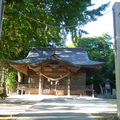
(93, 93)
(116, 20)
(40, 84)
(17, 92)
(29, 92)
(69, 85)
(80, 93)
(93, 90)
(21, 92)
(18, 88)
(19, 81)
(29, 88)
(20, 77)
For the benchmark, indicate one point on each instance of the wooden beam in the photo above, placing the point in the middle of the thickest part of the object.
(68, 67)
(35, 68)
(75, 68)
(55, 68)
(54, 73)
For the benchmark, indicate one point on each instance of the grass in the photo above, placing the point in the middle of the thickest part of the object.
(7, 117)
(105, 116)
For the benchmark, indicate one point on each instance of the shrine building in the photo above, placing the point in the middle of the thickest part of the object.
(55, 71)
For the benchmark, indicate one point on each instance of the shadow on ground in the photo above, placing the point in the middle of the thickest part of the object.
(54, 109)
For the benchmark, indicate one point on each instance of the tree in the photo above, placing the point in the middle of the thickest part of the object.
(99, 49)
(11, 82)
(26, 24)
(20, 32)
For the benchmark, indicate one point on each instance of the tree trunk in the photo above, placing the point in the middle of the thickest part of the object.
(2, 2)
(4, 83)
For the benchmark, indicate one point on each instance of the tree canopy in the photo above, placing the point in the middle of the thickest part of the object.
(99, 49)
(20, 32)
(37, 23)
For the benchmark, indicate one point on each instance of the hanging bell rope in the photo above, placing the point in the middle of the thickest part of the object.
(54, 79)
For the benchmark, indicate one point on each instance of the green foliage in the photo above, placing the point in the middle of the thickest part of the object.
(20, 33)
(71, 46)
(99, 49)
(11, 82)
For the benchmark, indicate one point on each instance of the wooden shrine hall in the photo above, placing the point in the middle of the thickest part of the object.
(55, 71)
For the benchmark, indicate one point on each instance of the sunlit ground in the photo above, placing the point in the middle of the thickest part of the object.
(57, 107)
(100, 109)
(54, 108)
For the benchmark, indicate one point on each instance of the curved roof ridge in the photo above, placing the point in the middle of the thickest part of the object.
(59, 49)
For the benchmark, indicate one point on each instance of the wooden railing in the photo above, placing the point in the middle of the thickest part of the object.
(58, 87)
(24, 86)
(72, 87)
(85, 87)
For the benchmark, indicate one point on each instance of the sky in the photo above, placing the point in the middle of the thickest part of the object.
(104, 24)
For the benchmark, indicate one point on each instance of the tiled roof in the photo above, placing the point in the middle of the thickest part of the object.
(73, 56)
